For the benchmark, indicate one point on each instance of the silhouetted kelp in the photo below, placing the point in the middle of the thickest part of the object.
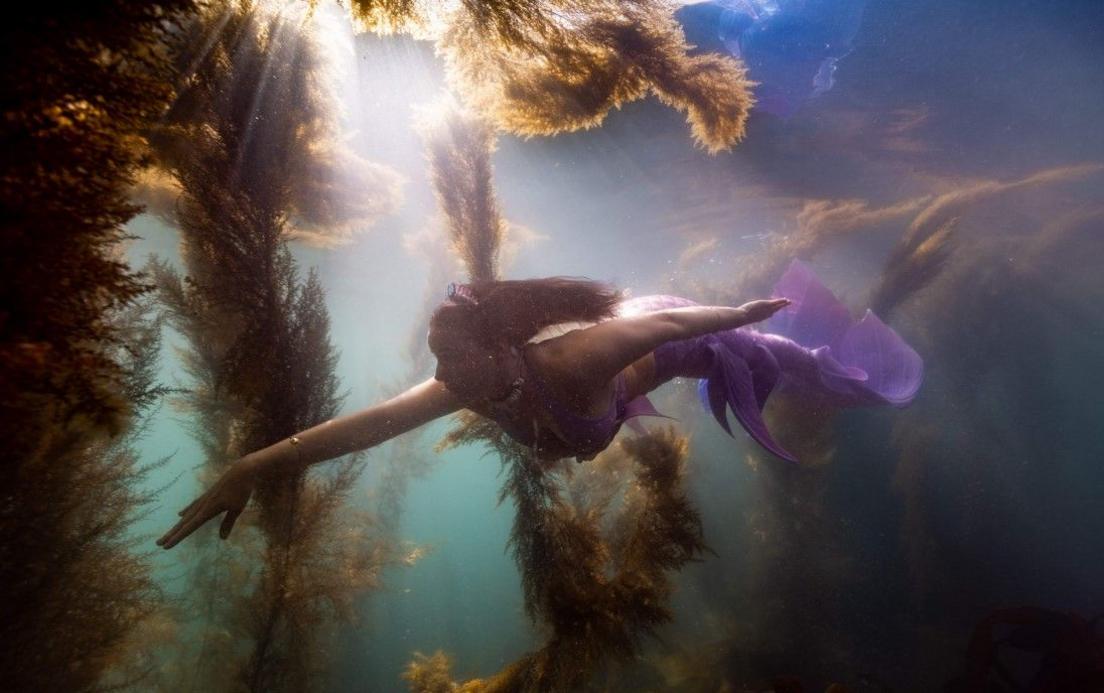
(982, 308)
(328, 189)
(77, 588)
(998, 331)
(595, 550)
(459, 147)
(238, 141)
(542, 67)
(78, 92)
(926, 246)
(77, 345)
(821, 225)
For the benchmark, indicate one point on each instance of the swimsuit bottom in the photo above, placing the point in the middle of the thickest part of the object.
(579, 436)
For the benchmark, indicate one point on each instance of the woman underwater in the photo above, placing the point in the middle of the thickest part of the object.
(561, 363)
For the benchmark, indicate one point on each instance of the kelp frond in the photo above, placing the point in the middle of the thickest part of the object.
(77, 345)
(542, 67)
(241, 141)
(599, 584)
(608, 55)
(459, 147)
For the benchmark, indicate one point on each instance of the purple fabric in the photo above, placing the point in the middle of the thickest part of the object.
(815, 317)
(587, 435)
(813, 348)
(639, 406)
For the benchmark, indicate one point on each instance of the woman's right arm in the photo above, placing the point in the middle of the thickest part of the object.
(358, 431)
(363, 429)
(594, 356)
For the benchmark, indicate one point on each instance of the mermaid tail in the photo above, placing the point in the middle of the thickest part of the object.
(814, 349)
(639, 406)
(860, 363)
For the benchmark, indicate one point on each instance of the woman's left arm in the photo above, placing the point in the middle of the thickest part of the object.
(599, 353)
(694, 321)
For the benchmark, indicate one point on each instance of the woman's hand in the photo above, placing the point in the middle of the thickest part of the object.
(757, 311)
(229, 494)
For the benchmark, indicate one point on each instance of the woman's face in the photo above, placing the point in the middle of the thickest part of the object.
(465, 367)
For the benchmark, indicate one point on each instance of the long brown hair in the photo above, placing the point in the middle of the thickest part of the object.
(512, 311)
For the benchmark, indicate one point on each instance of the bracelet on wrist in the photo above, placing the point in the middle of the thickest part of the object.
(295, 441)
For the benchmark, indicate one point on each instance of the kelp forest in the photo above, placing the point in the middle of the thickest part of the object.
(227, 222)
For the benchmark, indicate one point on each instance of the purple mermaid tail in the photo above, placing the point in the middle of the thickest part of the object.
(813, 349)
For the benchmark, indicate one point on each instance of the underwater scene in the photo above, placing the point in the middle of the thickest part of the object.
(802, 390)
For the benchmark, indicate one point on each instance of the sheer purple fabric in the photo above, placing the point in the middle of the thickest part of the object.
(810, 348)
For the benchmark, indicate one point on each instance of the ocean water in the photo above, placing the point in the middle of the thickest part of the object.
(909, 531)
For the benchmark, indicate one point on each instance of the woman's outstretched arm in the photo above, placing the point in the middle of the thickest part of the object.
(360, 430)
(596, 354)
(363, 429)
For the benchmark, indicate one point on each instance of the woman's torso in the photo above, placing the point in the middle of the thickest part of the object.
(556, 416)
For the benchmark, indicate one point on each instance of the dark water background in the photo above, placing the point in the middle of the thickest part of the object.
(873, 569)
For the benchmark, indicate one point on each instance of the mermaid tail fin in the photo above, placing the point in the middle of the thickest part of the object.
(815, 317)
(743, 385)
(816, 351)
(765, 373)
(640, 406)
(833, 374)
(900, 369)
(864, 362)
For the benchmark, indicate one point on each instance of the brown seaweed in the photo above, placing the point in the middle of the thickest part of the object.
(542, 67)
(77, 342)
(259, 351)
(597, 580)
(459, 147)
(77, 584)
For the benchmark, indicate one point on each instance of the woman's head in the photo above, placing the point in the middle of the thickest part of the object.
(471, 333)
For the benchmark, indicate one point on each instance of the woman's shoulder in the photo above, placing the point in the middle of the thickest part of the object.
(652, 303)
(627, 308)
(560, 329)
(553, 352)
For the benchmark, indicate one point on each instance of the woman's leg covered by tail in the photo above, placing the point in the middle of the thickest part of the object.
(813, 349)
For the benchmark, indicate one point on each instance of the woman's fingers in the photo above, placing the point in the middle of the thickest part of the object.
(761, 310)
(173, 536)
(187, 524)
(163, 542)
(188, 507)
(228, 522)
(229, 494)
(168, 535)
(182, 530)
